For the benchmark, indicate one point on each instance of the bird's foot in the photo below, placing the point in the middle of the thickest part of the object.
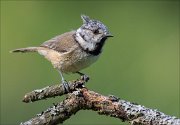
(85, 78)
(66, 86)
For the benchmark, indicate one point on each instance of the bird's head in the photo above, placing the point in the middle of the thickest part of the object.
(92, 32)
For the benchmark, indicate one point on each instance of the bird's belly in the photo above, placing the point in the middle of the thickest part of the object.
(77, 62)
(72, 61)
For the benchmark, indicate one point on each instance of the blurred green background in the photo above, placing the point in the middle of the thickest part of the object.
(140, 64)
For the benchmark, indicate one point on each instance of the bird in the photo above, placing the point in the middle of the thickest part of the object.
(75, 50)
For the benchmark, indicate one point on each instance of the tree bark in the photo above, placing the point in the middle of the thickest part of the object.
(80, 98)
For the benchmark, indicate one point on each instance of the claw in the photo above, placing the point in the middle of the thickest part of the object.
(64, 83)
(83, 76)
(66, 86)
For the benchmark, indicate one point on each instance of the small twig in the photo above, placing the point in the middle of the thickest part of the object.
(82, 98)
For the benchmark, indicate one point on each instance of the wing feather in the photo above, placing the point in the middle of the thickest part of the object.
(62, 43)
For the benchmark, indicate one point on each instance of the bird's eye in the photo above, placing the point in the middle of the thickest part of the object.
(96, 32)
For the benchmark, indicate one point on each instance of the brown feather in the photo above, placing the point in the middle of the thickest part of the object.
(62, 43)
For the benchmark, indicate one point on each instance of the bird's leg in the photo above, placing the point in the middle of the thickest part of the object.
(83, 76)
(64, 83)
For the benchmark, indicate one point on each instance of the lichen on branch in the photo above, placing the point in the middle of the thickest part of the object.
(80, 98)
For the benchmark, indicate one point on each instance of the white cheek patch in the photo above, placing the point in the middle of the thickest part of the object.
(85, 44)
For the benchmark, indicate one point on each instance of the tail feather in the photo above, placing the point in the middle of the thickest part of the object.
(28, 49)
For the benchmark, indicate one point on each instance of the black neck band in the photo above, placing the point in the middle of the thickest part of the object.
(98, 47)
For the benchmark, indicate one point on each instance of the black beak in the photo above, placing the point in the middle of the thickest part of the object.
(109, 35)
